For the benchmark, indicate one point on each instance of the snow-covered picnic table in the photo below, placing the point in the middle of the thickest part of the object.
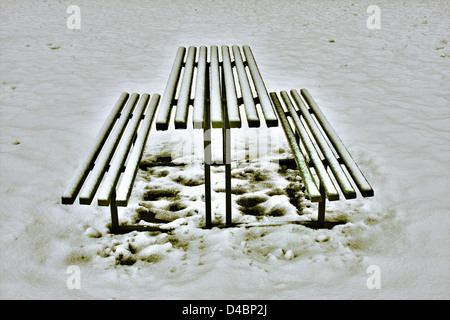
(221, 86)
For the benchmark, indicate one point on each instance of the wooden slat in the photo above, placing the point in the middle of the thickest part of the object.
(93, 180)
(232, 105)
(361, 182)
(215, 89)
(264, 100)
(198, 117)
(327, 183)
(341, 177)
(247, 95)
(162, 120)
(74, 186)
(181, 114)
(110, 181)
(311, 187)
(125, 187)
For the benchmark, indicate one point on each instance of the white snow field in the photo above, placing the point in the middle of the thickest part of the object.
(386, 91)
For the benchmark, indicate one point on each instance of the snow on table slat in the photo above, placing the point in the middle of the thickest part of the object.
(232, 105)
(247, 95)
(121, 153)
(264, 100)
(215, 90)
(96, 175)
(162, 120)
(200, 90)
(83, 169)
(181, 114)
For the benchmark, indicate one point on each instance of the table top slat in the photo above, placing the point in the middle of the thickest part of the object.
(260, 87)
(198, 117)
(247, 95)
(163, 117)
(184, 95)
(215, 89)
(121, 153)
(232, 105)
(79, 177)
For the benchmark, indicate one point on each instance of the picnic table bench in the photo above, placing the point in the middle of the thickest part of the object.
(220, 86)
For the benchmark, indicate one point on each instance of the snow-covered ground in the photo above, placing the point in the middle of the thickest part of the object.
(386, 91)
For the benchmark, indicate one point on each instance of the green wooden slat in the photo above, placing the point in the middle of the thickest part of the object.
(302, 165)
(325, 180)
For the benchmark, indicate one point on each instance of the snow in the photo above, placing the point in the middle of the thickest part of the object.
(386, 92)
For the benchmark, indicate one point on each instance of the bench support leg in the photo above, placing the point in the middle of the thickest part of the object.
(227, 160)
(207, 192)
(226, 139)
(114, 215)
(322, 205)
(207, 163)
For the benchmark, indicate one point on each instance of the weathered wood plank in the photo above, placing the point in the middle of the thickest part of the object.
(121, 153)
(361, 182)
(215, 89)
(232, 105)
(132, 166)
(163, 118)
(260, 87)
(302, 165)
(198, 117)
(95, 177)
(181, 114)
(247, 95)
(75, 184)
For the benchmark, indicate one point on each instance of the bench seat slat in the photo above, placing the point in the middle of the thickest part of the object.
(341, 177)
(200, 90)
(215, 90)
(247, 95)
(96, 175)
(181, 114)
(121, 153)
(232, 105)
(361, 182)
(308, 180)
(162, 120)
(126, 184)
(264, 99)
(75, 184)
(320, 169)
